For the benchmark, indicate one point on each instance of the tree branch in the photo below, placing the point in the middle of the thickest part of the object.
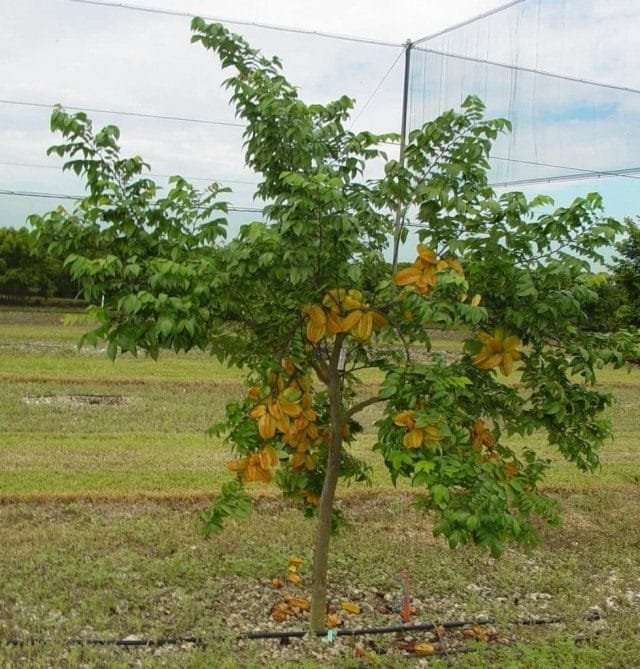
(356, 408)
(321, 370)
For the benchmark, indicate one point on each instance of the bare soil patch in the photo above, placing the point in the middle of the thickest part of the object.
(88, 400)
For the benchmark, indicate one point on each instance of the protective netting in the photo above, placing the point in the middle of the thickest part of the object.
(563, 72)
(531, 62)
(139, 71)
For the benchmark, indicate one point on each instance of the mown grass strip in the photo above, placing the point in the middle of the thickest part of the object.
(103, 570)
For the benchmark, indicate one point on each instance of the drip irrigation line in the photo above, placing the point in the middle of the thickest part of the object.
(290, 634)
(541, 621)
(238, 22)
(389, 629)
(77, 641)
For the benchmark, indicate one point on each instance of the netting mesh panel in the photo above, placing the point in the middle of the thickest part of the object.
(537, 64)
(144, 63)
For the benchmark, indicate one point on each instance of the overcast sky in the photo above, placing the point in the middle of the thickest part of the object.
(91, 56)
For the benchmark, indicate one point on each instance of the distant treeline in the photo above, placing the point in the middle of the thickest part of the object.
(618, 289)
(28, 275)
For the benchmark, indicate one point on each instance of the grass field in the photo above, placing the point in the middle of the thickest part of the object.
(104, 467)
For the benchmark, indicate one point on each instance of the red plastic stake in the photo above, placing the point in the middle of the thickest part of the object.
(405, 609)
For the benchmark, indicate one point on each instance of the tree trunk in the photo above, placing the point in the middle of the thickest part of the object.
(323, 535)
(325, 509)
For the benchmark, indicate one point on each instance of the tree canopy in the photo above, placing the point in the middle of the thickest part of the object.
(626, 276)
(306, 300)
(28, 271)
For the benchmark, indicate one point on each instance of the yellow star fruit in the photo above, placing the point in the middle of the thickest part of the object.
(510, 469)
(364, 327)
(310, 497)
(481, 436)
(405, 419)
(256, 467)
(267, 425)
(316, 323)
(498, 350)
(352, 319)
(423, 273)
(431, 435)
(342, 310)
(416, 437)
(340, 300)
(413, 438)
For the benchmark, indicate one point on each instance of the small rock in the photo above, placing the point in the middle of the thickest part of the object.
(594, 613)
(537, 596)
(474, 587)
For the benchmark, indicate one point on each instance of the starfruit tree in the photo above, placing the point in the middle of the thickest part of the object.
(306, 300)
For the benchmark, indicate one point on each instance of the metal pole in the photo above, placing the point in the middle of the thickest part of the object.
(403, 138)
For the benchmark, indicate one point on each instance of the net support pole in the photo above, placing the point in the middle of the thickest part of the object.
(399, 222)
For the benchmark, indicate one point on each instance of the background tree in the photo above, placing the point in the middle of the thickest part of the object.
(626, 272)
(27, 270)
(602, 312)
(306, 300)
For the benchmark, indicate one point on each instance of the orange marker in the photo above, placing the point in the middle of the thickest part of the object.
(405, 610)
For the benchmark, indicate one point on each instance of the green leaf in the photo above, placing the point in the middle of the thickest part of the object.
(440, 494)
(112, 350)
(165, 325)
(233, 501)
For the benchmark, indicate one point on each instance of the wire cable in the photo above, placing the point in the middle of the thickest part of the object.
(64, 196)
(238, 22)
(377, 88)
(530, 70)
(462, 24)
(40, 166)
(116, 112)
(577, 173)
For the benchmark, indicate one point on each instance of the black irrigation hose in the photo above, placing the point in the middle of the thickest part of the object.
(340, 631)
(161, 641)
(199, 641)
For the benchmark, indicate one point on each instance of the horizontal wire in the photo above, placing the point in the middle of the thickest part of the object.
(579, 173)
(40, 166)
(65, 196)
(115, 112)
(474, 19)
(576, 174)
(239, 22)
(530, 70)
